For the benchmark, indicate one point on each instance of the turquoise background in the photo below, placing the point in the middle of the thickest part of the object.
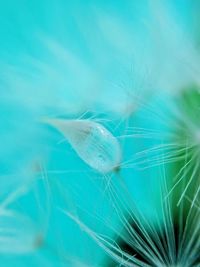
(65, 58)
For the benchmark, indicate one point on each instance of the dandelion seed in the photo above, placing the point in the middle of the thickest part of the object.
(93, 143)
(18, 234)
(170, 242)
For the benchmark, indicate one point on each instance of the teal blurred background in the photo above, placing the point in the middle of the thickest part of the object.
(120, 61)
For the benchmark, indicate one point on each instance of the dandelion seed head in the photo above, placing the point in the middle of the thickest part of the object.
(102, 40)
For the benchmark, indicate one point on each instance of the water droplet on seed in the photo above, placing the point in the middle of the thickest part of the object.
(92, 141)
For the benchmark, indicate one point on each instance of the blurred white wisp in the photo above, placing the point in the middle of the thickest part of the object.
(18, 233)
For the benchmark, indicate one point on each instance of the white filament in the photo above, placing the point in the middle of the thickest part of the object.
(17, 233)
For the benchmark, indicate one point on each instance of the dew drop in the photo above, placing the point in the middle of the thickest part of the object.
(92, 142)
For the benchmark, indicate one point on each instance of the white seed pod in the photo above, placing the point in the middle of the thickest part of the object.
(18, 234)
(93, 143)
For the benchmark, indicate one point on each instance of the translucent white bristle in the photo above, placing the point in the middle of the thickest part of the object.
(18, 234)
